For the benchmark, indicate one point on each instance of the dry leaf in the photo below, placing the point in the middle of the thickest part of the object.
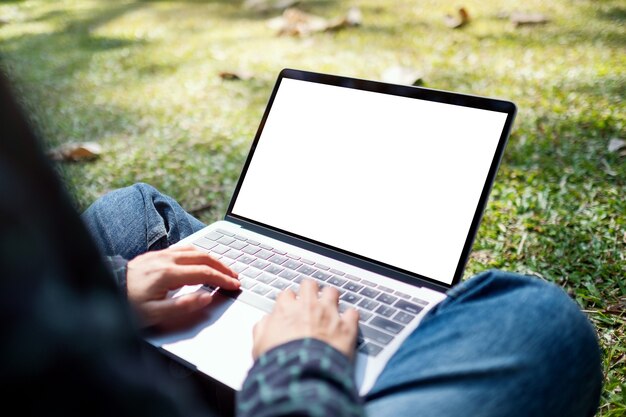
(76, 152)
(235, 75)
(616, 144)
(460, 19)
(264, 6)
(402, 75)
(295, 22)
(521, 18)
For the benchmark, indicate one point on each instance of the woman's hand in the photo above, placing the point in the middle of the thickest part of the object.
(151, 276)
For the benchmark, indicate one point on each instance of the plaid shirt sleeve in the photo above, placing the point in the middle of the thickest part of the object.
(304, 377)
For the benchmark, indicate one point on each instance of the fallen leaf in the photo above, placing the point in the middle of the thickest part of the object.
(402, 75)
(522, 18)
(264, 6)
(295, 22)
(458, 20)
(235, 75)
(616, 144)
(618, 308)
(484, 256)
(76, 152)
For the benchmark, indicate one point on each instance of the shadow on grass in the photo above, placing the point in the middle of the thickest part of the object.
(53, 60)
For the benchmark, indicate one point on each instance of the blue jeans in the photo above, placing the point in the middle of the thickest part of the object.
(500, 344)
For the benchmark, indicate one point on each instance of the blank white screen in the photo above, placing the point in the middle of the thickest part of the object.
(391, 178)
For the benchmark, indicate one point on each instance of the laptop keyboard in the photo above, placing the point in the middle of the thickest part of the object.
(265, 271)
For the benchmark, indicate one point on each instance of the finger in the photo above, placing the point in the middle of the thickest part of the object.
(198, 257)
(308, 290)
(330, 296)
(286, 295)
(169, 308)
(257, 332)
(180, 275)
(351, 319)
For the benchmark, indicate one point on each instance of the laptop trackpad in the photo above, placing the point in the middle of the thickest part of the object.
(217, 340)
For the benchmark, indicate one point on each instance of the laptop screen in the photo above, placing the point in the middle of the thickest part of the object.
(390, 178)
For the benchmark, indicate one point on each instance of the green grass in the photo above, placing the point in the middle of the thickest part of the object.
(141, 78)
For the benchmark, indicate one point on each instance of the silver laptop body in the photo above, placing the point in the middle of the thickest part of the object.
(372, 188)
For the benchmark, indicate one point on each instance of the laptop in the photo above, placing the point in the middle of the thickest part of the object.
(372, 188)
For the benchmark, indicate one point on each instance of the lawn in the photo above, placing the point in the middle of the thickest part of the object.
(142, 79)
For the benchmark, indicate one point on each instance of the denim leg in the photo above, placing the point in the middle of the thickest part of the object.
(501, 344)
(136, 219)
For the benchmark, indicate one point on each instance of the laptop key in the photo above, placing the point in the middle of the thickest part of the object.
(368, 292)
(323, 276)
(353, 278)
(387, 299)
(260, 289)
(364, 315)
(368, 283)
(273, 269)
(225, 232)
(250, 250)
(249, 297)
(280, 283)
(306, 261)
(226, 261)
(419, 301)
(368, 304)
(266, 247)
(238, 244)
(350, 298)
(386, 311)
(287, 274)
(343, 306)
(402, 295)
(386, 289)
(233, 254)
(264, 254)
(292, 256)
(291, 264)
(225, 240)
(278, 251)
(253, 242)
(298, 279)
(213, 235)
(321, 266)
(272, 295)
(386, 325)
(205, 243)
(247, 283)
(352, 286)
(277, 259)
(403, 317)
(251, 272)
(265, 278)
(259, 263)
(246, 259)
(337, 272)
(306, 270)
(238, 267)
(370, 349)
(335, 280)
(375, 335)
(243, 238)
(220, 249)
(408, 307)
